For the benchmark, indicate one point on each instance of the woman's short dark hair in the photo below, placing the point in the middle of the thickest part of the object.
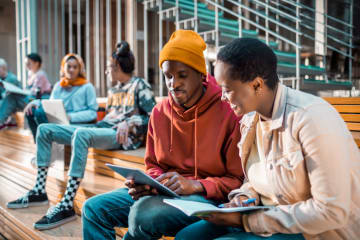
(250, 58)
(124, 56)
(34, 57)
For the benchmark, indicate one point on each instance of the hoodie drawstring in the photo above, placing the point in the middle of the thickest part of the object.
(196, 144)
(172, 127)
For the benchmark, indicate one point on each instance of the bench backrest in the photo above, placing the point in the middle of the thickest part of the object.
(349, 109)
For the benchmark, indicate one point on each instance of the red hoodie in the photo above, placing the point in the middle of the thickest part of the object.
(198, 143)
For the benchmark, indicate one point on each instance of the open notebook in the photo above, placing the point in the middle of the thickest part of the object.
(192, 208)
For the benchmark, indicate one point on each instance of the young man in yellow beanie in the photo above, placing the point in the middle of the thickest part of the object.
(191, 149)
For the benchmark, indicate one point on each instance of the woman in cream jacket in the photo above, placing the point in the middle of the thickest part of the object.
(296, 152)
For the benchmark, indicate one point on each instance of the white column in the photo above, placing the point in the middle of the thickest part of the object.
(78, 27)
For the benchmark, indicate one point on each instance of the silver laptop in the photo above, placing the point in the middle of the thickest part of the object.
(55, 111)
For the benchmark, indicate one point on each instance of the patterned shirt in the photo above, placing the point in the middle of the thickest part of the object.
(131, 102)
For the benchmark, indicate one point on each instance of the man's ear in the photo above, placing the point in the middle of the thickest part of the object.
(203, 77)
(258, 84)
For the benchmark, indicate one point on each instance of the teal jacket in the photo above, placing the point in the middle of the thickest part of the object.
(79, 102)
(10, 78)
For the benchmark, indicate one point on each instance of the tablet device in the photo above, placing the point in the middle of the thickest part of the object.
(142, 178)
(55, 111)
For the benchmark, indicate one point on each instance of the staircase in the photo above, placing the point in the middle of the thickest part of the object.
(290, 28)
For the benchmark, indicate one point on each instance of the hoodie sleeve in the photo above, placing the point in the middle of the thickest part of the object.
(219, 187)
(152, 167)
(88, 114)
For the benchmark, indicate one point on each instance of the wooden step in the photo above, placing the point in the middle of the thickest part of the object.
(19, 222)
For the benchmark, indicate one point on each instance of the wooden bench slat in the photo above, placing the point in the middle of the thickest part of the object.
(353, 126)
(357, 141)
(343, 100)
(350, 117)
(347, 108)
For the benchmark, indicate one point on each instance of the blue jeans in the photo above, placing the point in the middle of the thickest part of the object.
(80, 137)
(38, 117)
(203, 230)
(146, 218)
(10, 104)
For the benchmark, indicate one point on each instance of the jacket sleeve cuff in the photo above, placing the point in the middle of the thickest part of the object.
(256, 223)
(154, 172)
(210, 188)
(245, 223)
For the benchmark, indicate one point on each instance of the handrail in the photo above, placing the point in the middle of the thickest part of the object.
(340, 42)
(276, 10)
(338, 30)
(313, 28)
(339, 51)
(313, 10)
(264, 16)
(253, 23)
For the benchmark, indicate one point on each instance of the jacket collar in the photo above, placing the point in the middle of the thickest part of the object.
(277, 119)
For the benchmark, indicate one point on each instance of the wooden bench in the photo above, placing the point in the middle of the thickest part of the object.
(349, 109)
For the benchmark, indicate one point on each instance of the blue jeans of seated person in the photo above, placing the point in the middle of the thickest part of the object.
(147, 218)
(81, 137)
(38, 117)
(203, 230)
(10, 104)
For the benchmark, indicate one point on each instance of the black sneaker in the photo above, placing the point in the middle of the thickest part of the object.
(55, 217)
(30, 199)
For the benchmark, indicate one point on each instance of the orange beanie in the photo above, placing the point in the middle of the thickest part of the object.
(185, 46)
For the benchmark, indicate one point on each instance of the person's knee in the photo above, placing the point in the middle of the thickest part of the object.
(144, 222)
(81, 134)
(109, 209)
(44, 129)
(90, 209)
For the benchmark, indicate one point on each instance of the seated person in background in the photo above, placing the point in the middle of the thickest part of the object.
(191, 145)
(38, 84)
(297, 153)
(124, 127)
(9, 77)
(77, 93)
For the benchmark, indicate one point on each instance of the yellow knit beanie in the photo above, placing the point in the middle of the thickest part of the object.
(185, 46)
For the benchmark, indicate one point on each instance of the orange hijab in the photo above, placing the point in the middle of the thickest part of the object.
(80, 80)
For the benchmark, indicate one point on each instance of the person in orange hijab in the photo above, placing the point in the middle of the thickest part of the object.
(77, 93)
(68, 79)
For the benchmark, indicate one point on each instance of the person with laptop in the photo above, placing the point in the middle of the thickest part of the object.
(190, 148)
(124, 127)
(38, 86)
(76, 92)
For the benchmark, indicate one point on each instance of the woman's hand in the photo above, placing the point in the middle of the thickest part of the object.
(29, 107)
(122, 132)
(238, 201)
(179, 184)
